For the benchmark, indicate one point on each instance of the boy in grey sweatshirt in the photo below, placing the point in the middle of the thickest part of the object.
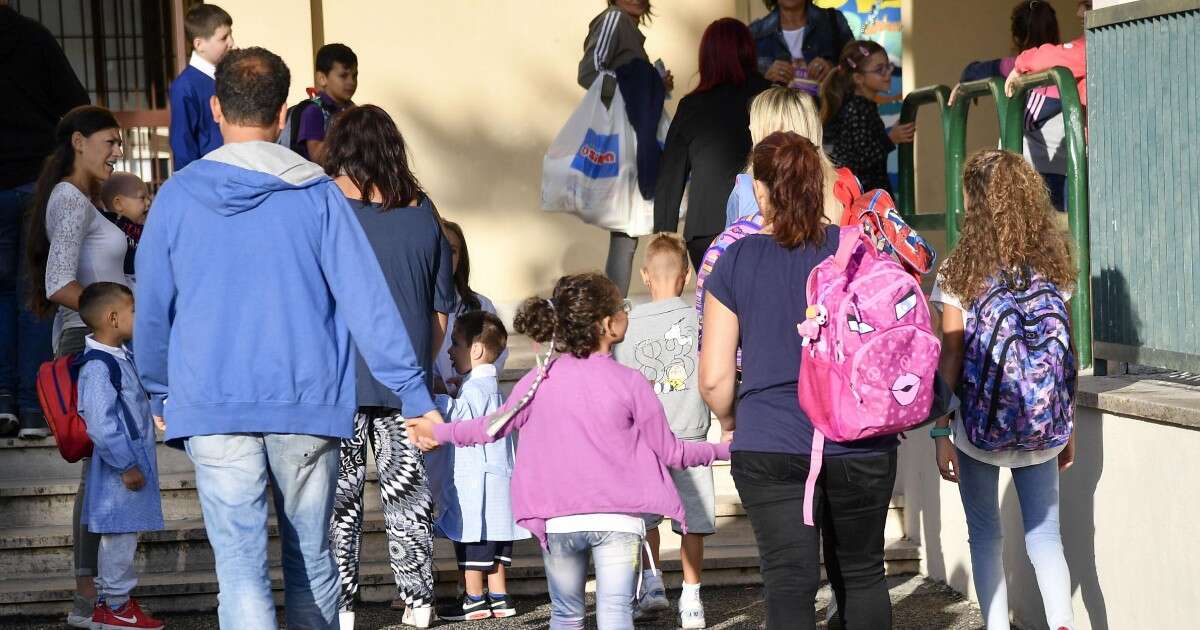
(661, 344)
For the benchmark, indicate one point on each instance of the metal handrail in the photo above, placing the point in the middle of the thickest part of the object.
(907, 201)
(1013, 137)
(1010, 113)
(956, 144)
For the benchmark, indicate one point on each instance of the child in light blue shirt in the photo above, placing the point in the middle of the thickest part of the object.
(474, 509)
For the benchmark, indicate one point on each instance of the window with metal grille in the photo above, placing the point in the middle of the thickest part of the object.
(126, 53)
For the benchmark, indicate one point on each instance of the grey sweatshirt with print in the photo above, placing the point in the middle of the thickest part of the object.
(661, 344)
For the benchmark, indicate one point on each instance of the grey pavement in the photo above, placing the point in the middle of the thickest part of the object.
(917, 604)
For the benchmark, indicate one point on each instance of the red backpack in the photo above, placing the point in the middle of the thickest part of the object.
(57, 390)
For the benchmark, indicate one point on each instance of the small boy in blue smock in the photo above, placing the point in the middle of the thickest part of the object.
(121, 497)
(475, 510)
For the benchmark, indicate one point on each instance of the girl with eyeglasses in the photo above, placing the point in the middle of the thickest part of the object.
(853, 128)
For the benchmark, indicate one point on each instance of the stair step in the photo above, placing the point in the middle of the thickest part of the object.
(182, 545)
(196, 589)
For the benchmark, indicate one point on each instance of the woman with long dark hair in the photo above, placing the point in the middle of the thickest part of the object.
(773, 438)
(367, 158)
(466, 299)
(69, 246)
(709, 136)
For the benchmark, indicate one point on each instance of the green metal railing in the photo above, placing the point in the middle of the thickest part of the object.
(1013, 137)
(935, 95)
(1010, 118)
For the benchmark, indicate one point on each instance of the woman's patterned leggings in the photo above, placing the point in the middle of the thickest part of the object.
(407, 507)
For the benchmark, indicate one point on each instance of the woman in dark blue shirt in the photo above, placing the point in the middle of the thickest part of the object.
(366, 156)
(756, 295)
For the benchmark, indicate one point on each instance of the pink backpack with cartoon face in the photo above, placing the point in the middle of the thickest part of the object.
(870, 354)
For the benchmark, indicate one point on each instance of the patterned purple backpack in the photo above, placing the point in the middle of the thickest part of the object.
(1019, 371)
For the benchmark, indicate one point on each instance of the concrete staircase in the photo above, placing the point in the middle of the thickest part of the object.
(37, 490)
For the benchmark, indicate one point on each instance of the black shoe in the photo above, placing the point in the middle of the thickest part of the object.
(465, 610)
(8, 416)
(502, 606)
(33, 425)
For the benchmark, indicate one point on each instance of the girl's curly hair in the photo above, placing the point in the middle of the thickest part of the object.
(1007, 225)
(572, 315)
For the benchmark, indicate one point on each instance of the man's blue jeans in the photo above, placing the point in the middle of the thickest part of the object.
(24, 338)
(233, 473)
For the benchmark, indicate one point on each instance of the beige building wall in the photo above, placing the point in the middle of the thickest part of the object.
(282, 26)
(1129, 521)
(479, 90)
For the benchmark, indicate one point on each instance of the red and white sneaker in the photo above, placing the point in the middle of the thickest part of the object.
(128, 616)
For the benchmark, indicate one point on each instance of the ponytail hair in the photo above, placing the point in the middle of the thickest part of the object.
(791, 167)
(86, 120)
(1034, 23)
(839, 83)
(571, 316)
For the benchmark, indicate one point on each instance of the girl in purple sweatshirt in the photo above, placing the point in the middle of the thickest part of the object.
(593, 455)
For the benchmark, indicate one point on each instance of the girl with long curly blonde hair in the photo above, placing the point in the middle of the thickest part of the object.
(1008, 225)
(1008, 240)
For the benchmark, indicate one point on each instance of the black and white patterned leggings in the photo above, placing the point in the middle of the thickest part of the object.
(407, 507)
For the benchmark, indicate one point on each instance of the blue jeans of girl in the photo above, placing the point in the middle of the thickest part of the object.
(616, 556)
(1037, 492)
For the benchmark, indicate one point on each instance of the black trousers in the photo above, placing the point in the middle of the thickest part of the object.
(696, 246)
(852, 498)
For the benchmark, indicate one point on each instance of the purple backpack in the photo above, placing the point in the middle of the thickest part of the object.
(1019, 371)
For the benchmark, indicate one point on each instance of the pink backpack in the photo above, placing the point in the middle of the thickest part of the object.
(869, 350)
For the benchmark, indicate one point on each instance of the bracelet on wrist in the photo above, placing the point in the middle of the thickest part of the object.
(937, 432)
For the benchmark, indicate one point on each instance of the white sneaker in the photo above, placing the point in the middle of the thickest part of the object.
(418, 617)
(346, 620)
(691, 614)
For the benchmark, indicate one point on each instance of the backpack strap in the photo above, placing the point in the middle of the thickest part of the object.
(114, 376)
(814, 473)
(848, 241)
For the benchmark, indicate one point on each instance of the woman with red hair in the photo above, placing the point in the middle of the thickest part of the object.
(709, 138)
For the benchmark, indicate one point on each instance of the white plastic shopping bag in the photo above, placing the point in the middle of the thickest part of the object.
(590, 170)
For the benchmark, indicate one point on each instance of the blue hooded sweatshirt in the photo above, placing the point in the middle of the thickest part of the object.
(253, 275)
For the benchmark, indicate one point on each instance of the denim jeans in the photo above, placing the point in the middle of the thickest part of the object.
(852, 497)
(24, 338)
(116, 577)
(232, 477)
(616, 556)
(1037, 492)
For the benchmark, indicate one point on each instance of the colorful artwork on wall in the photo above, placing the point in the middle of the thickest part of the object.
(878, 21)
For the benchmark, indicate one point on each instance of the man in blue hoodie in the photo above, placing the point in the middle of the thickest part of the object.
(253, 276)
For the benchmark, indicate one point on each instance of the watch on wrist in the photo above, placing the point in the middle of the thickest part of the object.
(937, 432)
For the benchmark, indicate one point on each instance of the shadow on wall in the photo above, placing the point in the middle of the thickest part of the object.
(1114, 316)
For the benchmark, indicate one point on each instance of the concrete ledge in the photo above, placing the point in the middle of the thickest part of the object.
(1162, 398)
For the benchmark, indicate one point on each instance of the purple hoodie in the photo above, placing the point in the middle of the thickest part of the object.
(593, 440)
